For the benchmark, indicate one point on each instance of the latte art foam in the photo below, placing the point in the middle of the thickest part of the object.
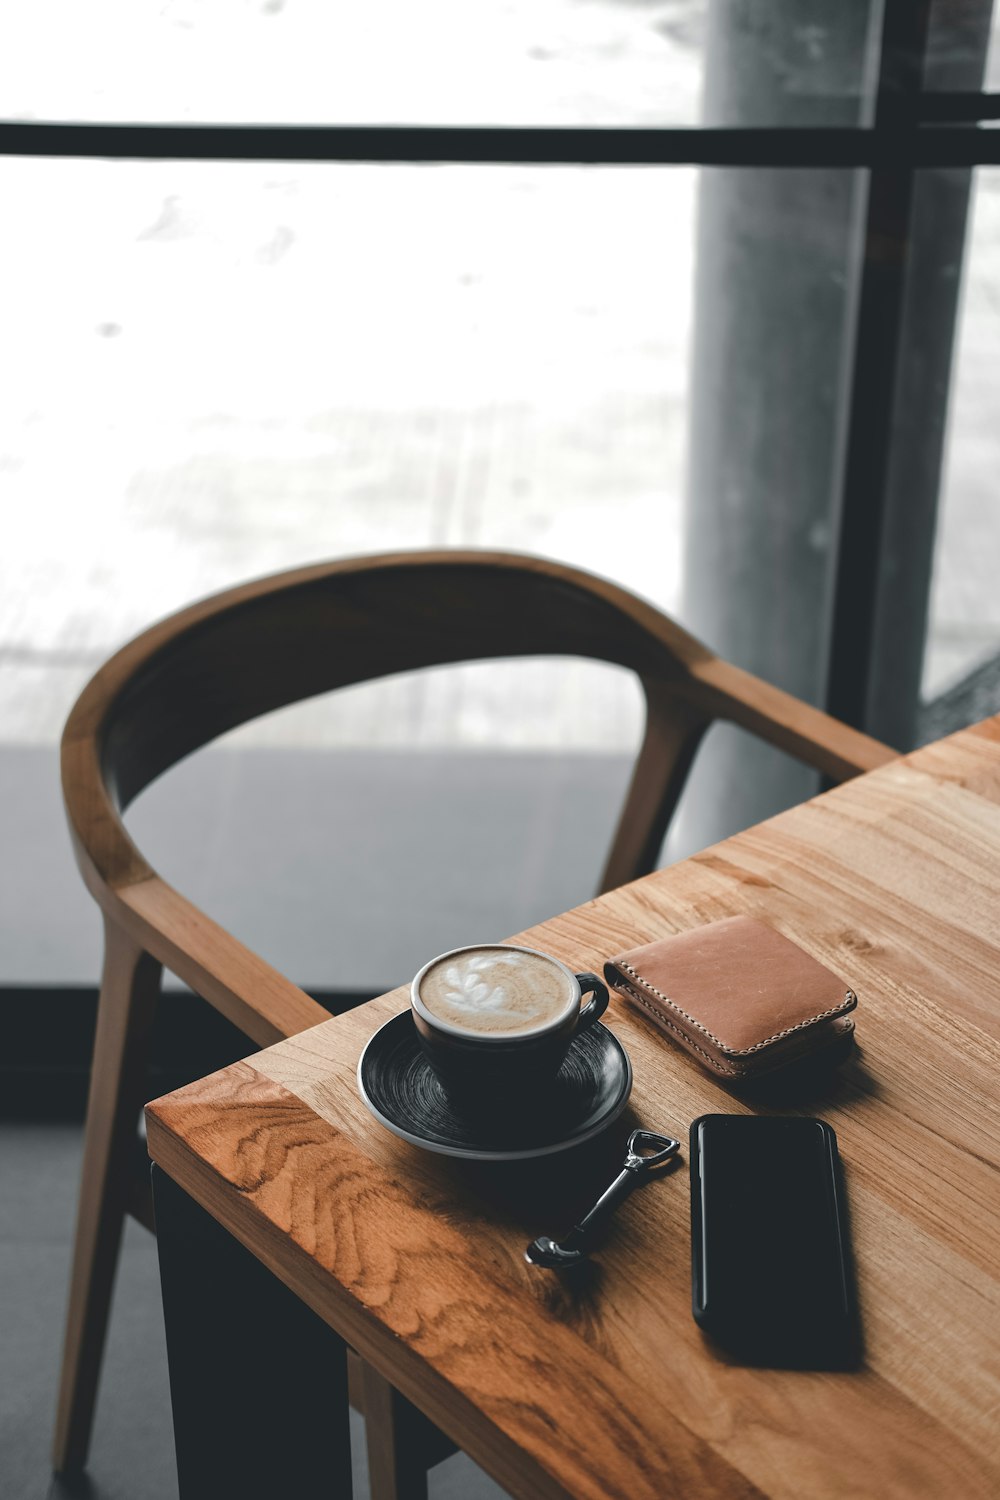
(497, 990)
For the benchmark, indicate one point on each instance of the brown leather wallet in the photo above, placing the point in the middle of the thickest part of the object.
(737, 995)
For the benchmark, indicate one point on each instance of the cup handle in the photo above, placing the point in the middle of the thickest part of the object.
(596, 1006)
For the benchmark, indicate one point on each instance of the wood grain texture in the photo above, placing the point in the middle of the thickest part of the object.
(605, 1388)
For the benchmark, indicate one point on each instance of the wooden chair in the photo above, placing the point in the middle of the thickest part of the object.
(273, 642)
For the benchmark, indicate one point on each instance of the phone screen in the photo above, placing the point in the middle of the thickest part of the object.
(771, 1278)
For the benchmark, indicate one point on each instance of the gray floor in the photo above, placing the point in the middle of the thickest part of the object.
(132, 1452)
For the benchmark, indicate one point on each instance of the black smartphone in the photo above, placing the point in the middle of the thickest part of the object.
(771, 1273)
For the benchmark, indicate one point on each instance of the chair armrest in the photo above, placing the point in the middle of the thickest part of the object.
(257, 998)
(788, 723)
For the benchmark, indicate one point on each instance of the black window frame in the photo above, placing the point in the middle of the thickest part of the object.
(911, 128)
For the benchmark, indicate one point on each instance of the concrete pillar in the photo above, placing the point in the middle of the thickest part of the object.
(772, 311)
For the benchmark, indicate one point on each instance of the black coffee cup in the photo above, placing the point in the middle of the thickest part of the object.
(486, 1069)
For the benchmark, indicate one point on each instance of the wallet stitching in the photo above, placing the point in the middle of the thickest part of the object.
(849, 1000)
(661, 1020)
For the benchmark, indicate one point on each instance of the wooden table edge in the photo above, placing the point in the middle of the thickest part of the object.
(447, 1406)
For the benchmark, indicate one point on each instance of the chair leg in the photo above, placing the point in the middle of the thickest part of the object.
(397, 1463)
(129, 988)
(401, 1441)
(673, 733)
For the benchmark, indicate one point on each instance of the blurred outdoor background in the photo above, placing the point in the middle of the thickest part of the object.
(212, 370)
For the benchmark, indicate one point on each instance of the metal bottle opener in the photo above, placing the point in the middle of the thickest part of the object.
(645, 1151)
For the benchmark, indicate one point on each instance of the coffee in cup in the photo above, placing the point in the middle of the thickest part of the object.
(496, 1019)
(498, 991)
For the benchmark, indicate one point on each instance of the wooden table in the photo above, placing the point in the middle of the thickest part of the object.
(608, 1389)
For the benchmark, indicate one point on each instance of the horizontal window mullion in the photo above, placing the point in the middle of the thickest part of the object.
(612, 145)
(962, 108)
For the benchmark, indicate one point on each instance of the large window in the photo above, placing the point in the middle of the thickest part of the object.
(214, 368)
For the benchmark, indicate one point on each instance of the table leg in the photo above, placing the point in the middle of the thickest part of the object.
(258, 1383)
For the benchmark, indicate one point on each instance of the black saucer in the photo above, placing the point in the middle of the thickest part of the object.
(590, 1090)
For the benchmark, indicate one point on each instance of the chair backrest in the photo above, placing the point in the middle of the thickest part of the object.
(282, 639)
